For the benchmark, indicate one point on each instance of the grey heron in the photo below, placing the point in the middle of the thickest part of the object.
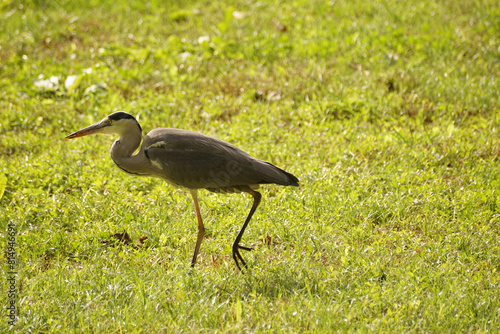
(189, 160)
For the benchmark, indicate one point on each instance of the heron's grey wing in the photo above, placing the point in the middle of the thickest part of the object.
(197, 169)
(194, 160)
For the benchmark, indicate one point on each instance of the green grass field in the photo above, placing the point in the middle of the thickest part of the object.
(387, 112)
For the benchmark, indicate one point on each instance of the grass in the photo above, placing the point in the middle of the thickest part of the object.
(386, 111)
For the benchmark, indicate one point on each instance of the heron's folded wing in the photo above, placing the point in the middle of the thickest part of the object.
(194, 160)
(197, 169)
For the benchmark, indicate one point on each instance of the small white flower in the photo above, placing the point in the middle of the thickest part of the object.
(70, 82)
(202, 39)
(51, 84)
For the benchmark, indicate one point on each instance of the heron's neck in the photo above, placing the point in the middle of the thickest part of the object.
(122, 150)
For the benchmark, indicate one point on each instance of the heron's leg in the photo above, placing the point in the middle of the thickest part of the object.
(201, 228)
(236, 245)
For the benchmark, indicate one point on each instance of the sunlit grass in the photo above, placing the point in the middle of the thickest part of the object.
(387, 112)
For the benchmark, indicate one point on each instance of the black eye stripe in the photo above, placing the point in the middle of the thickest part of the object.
(120, 115)
(123, 115)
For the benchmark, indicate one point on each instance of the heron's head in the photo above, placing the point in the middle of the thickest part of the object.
(117, 123)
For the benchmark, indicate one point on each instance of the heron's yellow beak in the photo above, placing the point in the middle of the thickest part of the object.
(95, 128)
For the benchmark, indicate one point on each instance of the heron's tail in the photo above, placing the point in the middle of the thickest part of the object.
(292, 179)
(277, 175)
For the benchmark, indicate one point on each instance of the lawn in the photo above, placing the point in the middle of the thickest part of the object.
(387, 111)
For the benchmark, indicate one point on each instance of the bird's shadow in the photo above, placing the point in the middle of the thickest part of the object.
(280, 281)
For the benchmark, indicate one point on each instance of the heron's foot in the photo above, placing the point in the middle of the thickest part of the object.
(237, 256)
(245, 248)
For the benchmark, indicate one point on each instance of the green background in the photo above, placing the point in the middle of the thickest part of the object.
(387, 112)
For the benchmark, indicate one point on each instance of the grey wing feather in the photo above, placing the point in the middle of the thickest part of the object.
(193, 160)
(195, 169)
